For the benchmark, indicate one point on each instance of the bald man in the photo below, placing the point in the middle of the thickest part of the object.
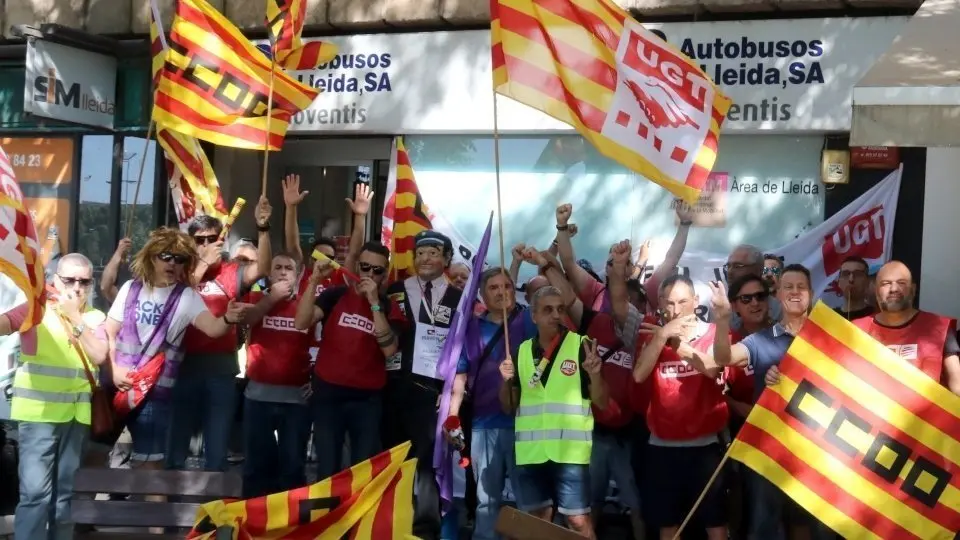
(926, 340)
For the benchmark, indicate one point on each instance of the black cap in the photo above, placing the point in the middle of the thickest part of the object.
(431, 238)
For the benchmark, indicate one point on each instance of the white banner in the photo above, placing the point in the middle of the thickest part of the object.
(864, 228)
(463, 251)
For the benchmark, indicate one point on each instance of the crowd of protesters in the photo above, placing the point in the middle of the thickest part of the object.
(612, 380)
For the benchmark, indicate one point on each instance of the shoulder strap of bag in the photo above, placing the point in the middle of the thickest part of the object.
(75, 343)
(488, 350)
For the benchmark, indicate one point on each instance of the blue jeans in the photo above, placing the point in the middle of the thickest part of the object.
(49, 458)
(337, 412)
(494, 460)
(274, 447)
(210, 402)
(610, 458)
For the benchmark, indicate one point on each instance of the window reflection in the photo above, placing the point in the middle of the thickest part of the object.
(95, 232)
(143, 213)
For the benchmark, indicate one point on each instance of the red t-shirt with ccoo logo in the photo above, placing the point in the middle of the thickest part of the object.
(219, 286)
(335, 279)
(349, 354)
(277, 351)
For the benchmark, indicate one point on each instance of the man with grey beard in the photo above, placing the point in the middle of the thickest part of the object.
(926, 340)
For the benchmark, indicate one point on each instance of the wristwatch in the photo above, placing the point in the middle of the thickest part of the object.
(78, 330)
(375, 308)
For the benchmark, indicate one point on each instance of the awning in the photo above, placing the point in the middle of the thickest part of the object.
(911, 96)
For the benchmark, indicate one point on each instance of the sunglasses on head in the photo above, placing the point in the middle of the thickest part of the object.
(204, 239)
(166, 256)
(70, 281)
(748, 298)
(372, 268)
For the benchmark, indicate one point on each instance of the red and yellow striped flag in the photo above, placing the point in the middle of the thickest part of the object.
(215, 83)
(19, 246)
(285, 19)
(391, 518)
(193, 183)
(404, 214)
(863, 440)
(327, 510)
(638, 100)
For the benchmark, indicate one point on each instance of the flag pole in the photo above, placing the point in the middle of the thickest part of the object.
(266, 138)
(503, 260)
(136, 192)
(703, 494)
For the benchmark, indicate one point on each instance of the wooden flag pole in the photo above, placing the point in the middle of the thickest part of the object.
(266, 138)
(136, 192)
(713, 478)
(503, 260)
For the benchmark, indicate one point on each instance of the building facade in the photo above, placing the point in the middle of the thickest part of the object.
(421, 69)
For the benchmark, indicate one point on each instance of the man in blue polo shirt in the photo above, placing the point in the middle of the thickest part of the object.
(491, 447)
(764, 350)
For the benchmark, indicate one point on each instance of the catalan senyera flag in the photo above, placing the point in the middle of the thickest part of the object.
(404, 213)
(19, 245)
(638, 100)
(327, 510)
(285, 20)
(860, 438)
(390, 518)
(193, 183)
(215, 84)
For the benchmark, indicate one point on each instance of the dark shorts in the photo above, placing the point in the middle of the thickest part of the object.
(148, 426)
(677, 475)
(542, 485)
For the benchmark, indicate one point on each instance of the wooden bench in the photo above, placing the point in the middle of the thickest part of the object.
(512, 523)
(194, 486)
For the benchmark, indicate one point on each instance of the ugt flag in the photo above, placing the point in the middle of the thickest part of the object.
(637, 99)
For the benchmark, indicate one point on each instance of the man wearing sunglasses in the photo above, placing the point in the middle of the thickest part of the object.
(747, 260)
(359, 333)
(206, 392)
(51, 396)
(772, 268)
(413, 387)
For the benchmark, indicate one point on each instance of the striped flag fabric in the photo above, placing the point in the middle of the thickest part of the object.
(391, 518)
(638, 100)
(327, 510)
(19, 245)
(214, 84)
(404, 213)
(193, 183)
(857, 436)
(285, 20)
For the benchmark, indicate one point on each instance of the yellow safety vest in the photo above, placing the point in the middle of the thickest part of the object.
(51, 385)
(554, 422)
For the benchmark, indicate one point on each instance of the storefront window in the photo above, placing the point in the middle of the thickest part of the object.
(769, 191)
(144, 214)
(95, 232)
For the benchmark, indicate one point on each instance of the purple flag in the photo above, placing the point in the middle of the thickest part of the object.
(447, 367)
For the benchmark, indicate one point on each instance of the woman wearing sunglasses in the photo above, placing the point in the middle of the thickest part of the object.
(145, 327)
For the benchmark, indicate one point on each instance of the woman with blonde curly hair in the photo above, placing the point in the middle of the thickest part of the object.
(149, 317)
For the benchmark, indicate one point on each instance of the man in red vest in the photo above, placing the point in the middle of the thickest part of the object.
(926, 340)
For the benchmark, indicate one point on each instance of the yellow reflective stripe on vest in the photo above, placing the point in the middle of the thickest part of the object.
(554, 422)
(555, 435)
(553, 408)
(51, 397)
